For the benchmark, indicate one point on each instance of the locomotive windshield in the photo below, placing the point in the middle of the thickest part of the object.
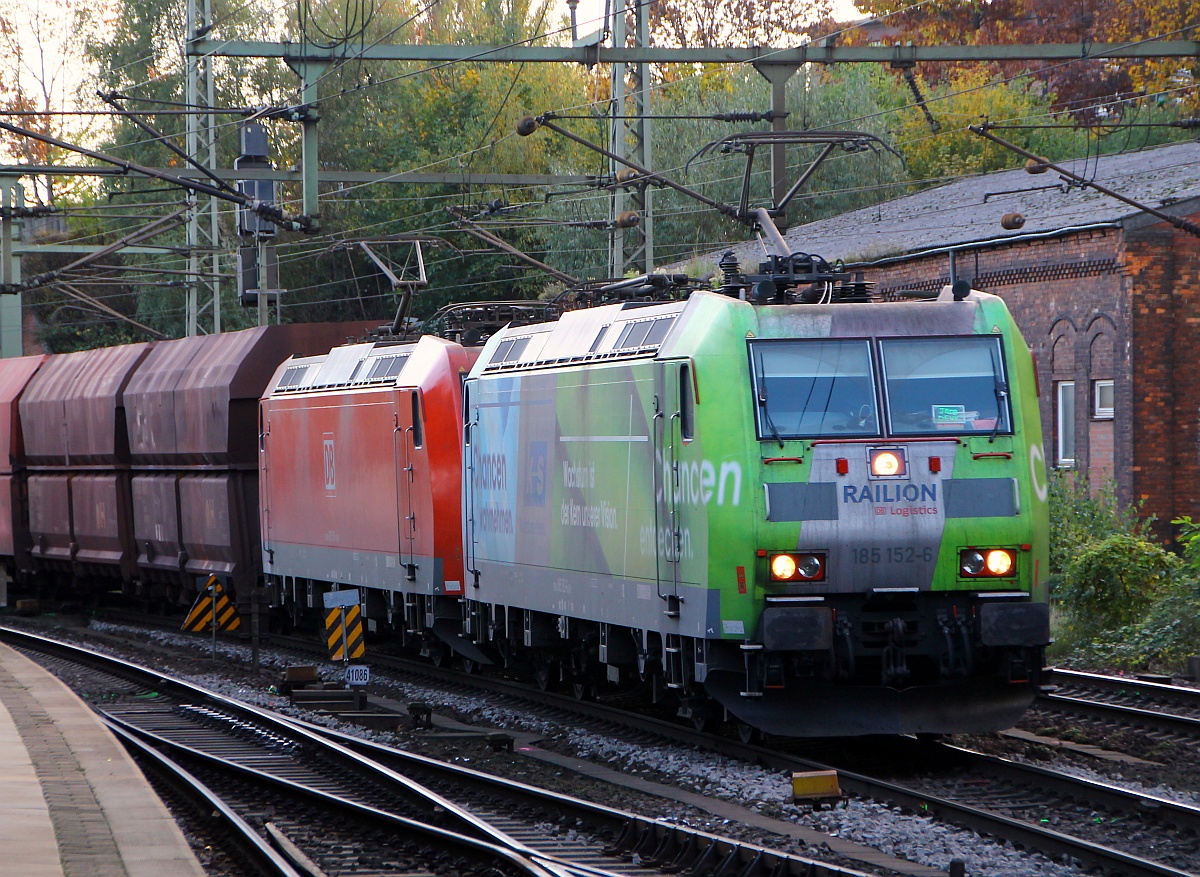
(814, 387)
(939, 385)
(818, 388)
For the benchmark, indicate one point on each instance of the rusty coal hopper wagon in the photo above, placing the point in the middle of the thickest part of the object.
(136, 466)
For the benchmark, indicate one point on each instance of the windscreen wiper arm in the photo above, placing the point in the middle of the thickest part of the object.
(762, 402)
(1001, 395)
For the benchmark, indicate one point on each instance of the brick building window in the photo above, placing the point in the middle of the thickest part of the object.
(1102, 400)
(1064, 394)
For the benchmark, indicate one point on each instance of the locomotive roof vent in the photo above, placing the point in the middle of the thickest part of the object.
(615, 332)
(358, 369)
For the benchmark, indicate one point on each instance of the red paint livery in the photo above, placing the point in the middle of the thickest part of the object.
(360, 461)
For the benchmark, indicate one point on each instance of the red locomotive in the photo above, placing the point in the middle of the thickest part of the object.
(361, 454)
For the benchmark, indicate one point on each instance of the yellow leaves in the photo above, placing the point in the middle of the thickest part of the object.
(967, 98)
(470, 78)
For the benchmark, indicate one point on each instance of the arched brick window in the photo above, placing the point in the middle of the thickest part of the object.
(1062, 368)
(1102, 407)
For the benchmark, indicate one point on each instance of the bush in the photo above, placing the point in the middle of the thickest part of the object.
(1113, 583)
(1130, 605)
(1079, 518)
(1162, 641)
(1189, 539)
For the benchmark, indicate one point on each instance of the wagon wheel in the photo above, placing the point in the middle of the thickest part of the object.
(470, 667)
(747, 733)
(581, 691)
(581, 688)
(543, 671)
(703, 719)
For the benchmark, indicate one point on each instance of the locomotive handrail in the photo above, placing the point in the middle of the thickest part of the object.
(470, 554)
(676, 539)
(656, 469)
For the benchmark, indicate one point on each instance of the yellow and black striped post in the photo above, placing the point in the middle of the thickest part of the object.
(344, 632)
(212, 602)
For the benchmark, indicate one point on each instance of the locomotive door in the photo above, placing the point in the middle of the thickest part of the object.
(408, 438)
(265, 498)
(468, 486)
(669, 508)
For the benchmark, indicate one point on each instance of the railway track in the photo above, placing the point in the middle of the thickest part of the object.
(1098, 824)
(328, 803)
(1065, 817)
(1166, 713)
(234, 846)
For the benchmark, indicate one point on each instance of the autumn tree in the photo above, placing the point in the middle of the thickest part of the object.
(1091, 89)
(969, 97)
(709, 23)
(40, 78)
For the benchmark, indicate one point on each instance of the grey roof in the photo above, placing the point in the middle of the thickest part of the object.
(969, 211)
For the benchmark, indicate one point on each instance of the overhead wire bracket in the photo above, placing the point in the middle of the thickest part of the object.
(271, 212)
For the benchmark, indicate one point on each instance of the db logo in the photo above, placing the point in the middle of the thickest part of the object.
(330, 466)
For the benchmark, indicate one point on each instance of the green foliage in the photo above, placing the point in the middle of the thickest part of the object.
(1189, 541)
(1080, 517)
(1113, 583)
(1162, 641)
(969, 98)
(1130, 605)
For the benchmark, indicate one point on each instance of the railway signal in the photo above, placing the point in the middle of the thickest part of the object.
(258, 264)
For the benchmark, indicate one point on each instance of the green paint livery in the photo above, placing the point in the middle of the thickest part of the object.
(633, 474)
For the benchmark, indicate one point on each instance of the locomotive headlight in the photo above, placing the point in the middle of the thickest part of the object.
(987, 562)
(797, 567)
(972, 563)
(783, 567)
(888, 462)
(999, 563)
(810, 567)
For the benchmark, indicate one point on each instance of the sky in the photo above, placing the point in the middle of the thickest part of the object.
(588, 13)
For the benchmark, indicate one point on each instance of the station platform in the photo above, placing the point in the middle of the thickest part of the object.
(72, 801)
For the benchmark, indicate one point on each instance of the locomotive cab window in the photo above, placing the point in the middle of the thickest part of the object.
(809, 388)
(940, 385)
(417, 432)
(687, 429)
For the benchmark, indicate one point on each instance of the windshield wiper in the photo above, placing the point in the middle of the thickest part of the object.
(1001, 395)
(762, 402)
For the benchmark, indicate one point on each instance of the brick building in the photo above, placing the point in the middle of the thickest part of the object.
(1107, 296)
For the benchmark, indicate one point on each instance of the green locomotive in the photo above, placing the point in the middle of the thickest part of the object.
(819, 519)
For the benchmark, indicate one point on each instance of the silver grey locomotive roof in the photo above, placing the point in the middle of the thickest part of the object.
(969, 210)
